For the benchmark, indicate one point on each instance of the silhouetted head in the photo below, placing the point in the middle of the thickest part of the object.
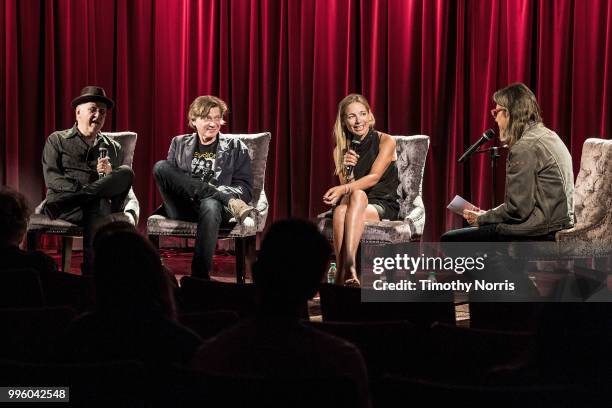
(291, 263)
(129, 275)
(106, 229)
(14, 216)
(572, 341)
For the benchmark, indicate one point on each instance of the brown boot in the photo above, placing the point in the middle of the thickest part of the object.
(239, 209)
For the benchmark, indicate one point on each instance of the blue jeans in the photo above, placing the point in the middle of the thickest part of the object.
(189, 199)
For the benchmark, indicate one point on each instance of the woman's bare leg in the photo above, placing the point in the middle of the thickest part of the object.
(357, 213)
(338, 224)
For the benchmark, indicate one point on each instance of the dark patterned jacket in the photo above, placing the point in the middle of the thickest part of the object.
(232, 166)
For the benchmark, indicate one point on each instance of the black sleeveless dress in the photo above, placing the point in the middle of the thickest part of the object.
(383, 193)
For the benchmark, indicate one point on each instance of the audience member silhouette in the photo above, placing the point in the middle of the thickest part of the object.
(276, 344)
(14, 216)
(135, 316)
(570, 347)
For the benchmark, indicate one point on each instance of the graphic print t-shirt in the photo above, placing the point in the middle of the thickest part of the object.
(203, 163)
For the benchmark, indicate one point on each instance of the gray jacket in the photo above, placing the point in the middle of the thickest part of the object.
(232, 166)
(539, 186)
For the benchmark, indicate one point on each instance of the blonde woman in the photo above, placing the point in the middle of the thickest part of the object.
(368, 181)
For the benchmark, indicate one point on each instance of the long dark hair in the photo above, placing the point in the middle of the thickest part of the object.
(522, 107)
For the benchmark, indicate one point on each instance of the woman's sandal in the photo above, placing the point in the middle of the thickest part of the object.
(352, 283)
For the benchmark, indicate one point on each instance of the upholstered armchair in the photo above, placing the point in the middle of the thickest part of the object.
(411, 156)
(591, 236)
(592, 233)
(244, 237)
(41, 224)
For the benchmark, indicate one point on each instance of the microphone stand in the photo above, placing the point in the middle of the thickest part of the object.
(493, 155)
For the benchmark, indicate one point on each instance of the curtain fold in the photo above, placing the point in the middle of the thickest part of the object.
(427, 67)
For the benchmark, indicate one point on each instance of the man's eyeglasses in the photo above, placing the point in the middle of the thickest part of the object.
(94, 109)
(495, 111)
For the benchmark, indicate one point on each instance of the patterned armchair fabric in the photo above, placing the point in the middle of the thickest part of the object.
(258, 144)
(592, 234)
(411, 156)
(40, 223)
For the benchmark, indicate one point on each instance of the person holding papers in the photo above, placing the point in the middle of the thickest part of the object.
(539, 177)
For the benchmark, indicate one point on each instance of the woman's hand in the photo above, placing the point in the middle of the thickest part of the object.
(472, 216)
(334, 194)
(350, 158)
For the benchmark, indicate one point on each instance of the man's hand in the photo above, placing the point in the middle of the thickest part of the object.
(104, 166)
(472, 216)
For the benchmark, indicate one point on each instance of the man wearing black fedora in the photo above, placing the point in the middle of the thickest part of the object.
(83, 169)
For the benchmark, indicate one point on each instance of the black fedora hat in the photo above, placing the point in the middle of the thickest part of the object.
(93, 94)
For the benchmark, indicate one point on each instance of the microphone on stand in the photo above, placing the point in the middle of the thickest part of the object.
(102, 154)
(486, 136)
(354, 146)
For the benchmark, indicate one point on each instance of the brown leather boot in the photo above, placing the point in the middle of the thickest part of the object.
(239, 209)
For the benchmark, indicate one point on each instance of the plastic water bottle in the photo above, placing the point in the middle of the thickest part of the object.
(431, 276)
(331, 273)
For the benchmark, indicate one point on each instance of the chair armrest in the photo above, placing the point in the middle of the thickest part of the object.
(132, 206)
(416, 219)
(39, 207)
(600, 231)
(261, 206)
(326, 214)
(588, 240)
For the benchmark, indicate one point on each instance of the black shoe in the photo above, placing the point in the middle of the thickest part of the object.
(52, 210)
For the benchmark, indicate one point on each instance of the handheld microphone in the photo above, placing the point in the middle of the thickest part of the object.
(102, 154)
(354, 146)
(486, 136)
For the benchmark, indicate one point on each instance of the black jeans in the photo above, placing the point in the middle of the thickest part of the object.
(500, 265)
(189, 199)
(488, 233)
(88, 206)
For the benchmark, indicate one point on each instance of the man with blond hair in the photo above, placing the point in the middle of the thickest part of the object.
(206, 178)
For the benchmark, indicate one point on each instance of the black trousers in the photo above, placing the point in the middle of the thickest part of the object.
(500, 266)
(189, 199)
(488, 233)
(88, 206)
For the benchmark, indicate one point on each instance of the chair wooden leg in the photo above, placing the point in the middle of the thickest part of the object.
(154, 240)
(244, 247)
(602, 263)
(33, 240)
(251, 254)
(66, 253)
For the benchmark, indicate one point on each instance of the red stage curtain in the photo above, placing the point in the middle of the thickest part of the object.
(428, 67)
